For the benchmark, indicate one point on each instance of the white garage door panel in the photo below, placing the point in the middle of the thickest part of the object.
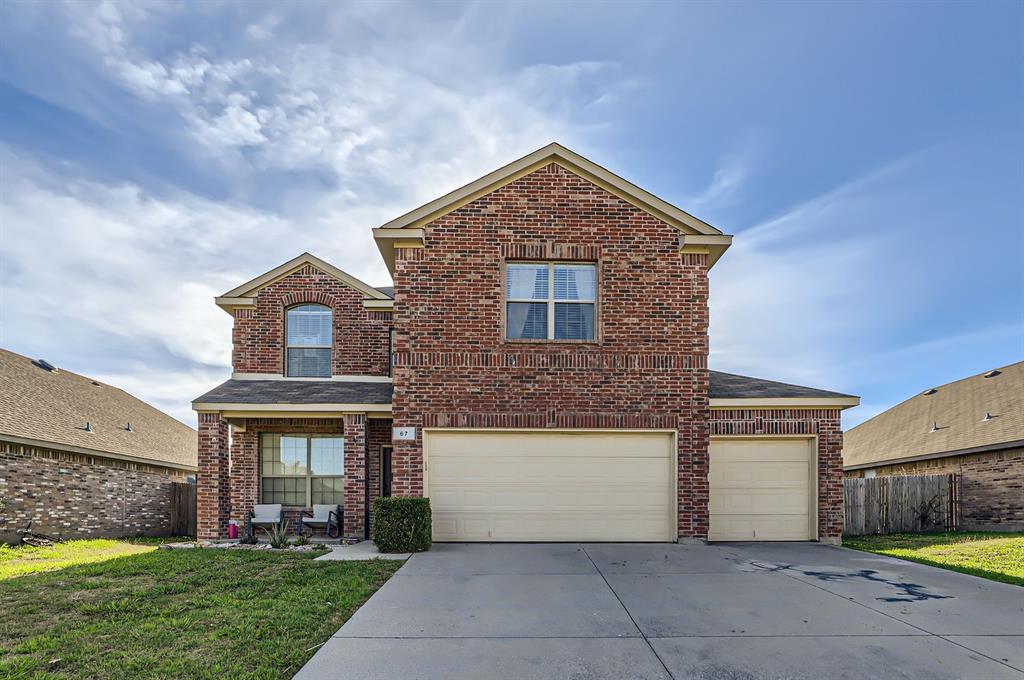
(761, 489)
(543, 486)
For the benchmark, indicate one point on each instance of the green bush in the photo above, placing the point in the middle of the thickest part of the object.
(401, 524)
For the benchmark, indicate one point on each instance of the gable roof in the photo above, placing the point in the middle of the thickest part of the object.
(553, 153)
(409, 226)
(242, 295)
(53, 407)
(905, 432)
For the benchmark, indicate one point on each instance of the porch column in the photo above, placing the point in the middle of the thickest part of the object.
(213, 500)
(355, 476)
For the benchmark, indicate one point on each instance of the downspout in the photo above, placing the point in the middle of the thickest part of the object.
(366, 478)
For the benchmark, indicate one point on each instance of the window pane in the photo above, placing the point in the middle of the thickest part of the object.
(527, 281)
(574, 321)
(327, 455)
(270, 455)
(309, 325)
(575, 282)
(527, 320)
(309, 363)
(293, 455)
(328, 490)
(287, 491)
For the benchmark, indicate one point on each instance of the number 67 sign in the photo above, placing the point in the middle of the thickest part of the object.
(403, 434)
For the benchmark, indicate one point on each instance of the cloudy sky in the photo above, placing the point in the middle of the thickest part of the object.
(868, 158)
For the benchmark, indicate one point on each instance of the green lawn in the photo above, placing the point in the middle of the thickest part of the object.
(996, 556)
(200, 613)
(29, 560)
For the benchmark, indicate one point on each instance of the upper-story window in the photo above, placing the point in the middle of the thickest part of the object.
(309, 341)
(550, 301)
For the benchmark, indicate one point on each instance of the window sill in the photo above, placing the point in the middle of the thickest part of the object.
(530, 341)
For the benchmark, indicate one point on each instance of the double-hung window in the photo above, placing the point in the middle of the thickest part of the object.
(309, 341)
(550, 301)
(302, 469)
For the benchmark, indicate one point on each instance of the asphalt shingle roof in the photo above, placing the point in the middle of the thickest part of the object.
(54, 407)
(387, 290)
(731, 386)
(958, 408)
(297, 392)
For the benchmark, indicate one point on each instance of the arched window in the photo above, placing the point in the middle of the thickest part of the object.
(308, 342)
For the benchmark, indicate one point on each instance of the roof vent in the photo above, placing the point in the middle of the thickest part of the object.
(45, 365)
(992, 374)
(128, 427)
(88, 427)
(929, 391)
(935, 426)
(95, 383)
(988, 416)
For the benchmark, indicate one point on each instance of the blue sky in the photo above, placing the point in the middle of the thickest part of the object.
(867, 157)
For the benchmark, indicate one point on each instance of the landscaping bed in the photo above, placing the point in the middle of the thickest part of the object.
(147, 613)
(995, 556)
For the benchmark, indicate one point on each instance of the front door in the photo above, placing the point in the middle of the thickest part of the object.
(385, 471)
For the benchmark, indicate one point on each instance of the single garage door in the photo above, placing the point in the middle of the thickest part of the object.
(551, 486)
(762, 490)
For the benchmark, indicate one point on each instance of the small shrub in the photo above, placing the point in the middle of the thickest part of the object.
(302, 539)
(277, 535)
(248, 539)
(401, 524)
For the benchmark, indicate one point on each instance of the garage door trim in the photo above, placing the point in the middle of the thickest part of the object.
(812, 441)
(673, 455)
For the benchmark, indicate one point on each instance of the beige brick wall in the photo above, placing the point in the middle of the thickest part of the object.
(80, 496)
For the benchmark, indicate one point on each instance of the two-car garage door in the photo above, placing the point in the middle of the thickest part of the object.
(610, 486)
(551, 486)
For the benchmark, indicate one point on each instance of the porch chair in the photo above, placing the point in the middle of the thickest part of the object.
(265, 516)
(326, 517)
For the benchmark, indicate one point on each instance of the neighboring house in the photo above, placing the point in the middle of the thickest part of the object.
(539, 370)
(81, 458)
(972, 427)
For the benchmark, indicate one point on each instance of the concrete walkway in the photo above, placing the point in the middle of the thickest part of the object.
(725, 611)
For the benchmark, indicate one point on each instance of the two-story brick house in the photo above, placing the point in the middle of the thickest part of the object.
(539, 370)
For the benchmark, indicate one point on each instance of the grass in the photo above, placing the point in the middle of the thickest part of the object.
(995, 556)
(199, 613)
(30, 560)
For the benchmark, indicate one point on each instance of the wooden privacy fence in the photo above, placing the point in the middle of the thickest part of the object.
(183, 509)
(896, 504)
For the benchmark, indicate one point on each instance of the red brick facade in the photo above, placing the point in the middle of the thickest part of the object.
(360, 335)
(646, 369)
(821, 423)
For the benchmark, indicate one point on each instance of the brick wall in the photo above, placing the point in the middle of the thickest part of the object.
(825, 423)
(647, 369)
(360, 336)
(991, 486)
(79, 496)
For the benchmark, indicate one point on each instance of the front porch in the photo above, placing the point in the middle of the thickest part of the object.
(295, 459)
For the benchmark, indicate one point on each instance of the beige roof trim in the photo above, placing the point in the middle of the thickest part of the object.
(714, 245)
(931, 456)
(552, 153)
(242, 296)
(292, 410)
(786, 402)
(57, 446)
(379, 305)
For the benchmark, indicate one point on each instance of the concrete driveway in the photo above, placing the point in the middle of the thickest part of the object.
(724, 611)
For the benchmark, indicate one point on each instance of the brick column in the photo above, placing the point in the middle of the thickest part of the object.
(355, 475)
(244, 481)
(213, 500)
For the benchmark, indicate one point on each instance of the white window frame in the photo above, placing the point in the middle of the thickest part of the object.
(550, 301)
(289, 347)
(308, 476)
